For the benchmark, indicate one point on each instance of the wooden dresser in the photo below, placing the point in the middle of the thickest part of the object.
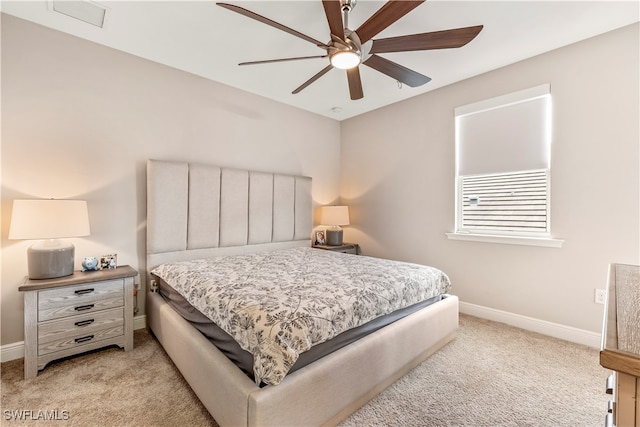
(77, 313)
(620, 350)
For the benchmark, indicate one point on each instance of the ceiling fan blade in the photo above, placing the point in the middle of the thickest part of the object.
(355, 84)
(396, 71)
(322, 72)
(268, 61)
(385, 16)
(446, 39)
(274, 24)
(334, 17)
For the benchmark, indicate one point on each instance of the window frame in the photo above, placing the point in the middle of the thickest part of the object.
(497, 235)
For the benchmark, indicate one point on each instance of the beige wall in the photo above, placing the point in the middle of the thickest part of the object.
(80, 120)
(398, 177)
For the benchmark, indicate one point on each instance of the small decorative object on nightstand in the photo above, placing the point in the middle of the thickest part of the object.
(345, 248)
(76, 313)
(89, 263)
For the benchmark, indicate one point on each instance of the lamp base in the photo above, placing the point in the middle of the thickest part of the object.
(334, 237)
(50, 259)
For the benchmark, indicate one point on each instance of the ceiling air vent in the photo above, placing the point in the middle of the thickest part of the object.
(86, 11)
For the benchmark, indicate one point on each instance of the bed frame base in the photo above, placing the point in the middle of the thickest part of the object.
(322, 393)
(346, 412)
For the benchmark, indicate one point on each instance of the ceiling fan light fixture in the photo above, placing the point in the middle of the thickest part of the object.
(345, 60)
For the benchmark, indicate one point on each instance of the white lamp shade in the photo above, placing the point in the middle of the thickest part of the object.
(334, 215)
(49, 219)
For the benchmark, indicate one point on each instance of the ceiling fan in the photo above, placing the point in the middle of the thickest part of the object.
(350, 48)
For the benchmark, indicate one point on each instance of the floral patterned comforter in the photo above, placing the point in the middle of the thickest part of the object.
(278, 304)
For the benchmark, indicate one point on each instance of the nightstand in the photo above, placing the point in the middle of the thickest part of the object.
(346, 248)
(77, 313)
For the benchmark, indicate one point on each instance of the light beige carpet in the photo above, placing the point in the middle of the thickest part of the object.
(490, 375)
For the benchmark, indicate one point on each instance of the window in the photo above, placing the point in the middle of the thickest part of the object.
(503, 149)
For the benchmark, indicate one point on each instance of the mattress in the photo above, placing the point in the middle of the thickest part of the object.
(244, 360)
(294, 304)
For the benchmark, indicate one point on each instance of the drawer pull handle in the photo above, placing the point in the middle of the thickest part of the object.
(84, 322)
(83, 339)
(84, 307)
(611, 381)
(84, 291)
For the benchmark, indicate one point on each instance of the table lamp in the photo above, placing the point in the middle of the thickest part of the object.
(48, 221)
(335, 216)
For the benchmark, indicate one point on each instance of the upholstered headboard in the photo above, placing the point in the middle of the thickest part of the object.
(197, 210)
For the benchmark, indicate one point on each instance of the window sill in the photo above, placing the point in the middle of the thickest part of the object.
(508, 240)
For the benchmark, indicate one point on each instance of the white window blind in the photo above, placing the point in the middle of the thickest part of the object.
(505, 203)
(503, 149)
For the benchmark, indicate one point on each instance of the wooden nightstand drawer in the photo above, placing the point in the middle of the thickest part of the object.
(346, 248)
(79, 299)
(80, 340)
(52, 335)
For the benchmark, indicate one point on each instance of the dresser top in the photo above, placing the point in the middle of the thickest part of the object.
(79, 277)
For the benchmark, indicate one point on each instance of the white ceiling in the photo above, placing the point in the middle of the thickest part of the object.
(207, 40)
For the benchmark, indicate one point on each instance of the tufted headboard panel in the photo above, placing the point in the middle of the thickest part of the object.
(196, 210)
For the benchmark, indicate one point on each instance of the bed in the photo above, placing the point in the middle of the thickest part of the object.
(197, 211)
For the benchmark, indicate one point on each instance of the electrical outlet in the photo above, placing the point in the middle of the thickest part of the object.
(599, 296)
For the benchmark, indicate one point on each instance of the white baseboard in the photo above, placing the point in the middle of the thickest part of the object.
(12, 351)
(139, 322)
(568, 333)
(15, 350)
